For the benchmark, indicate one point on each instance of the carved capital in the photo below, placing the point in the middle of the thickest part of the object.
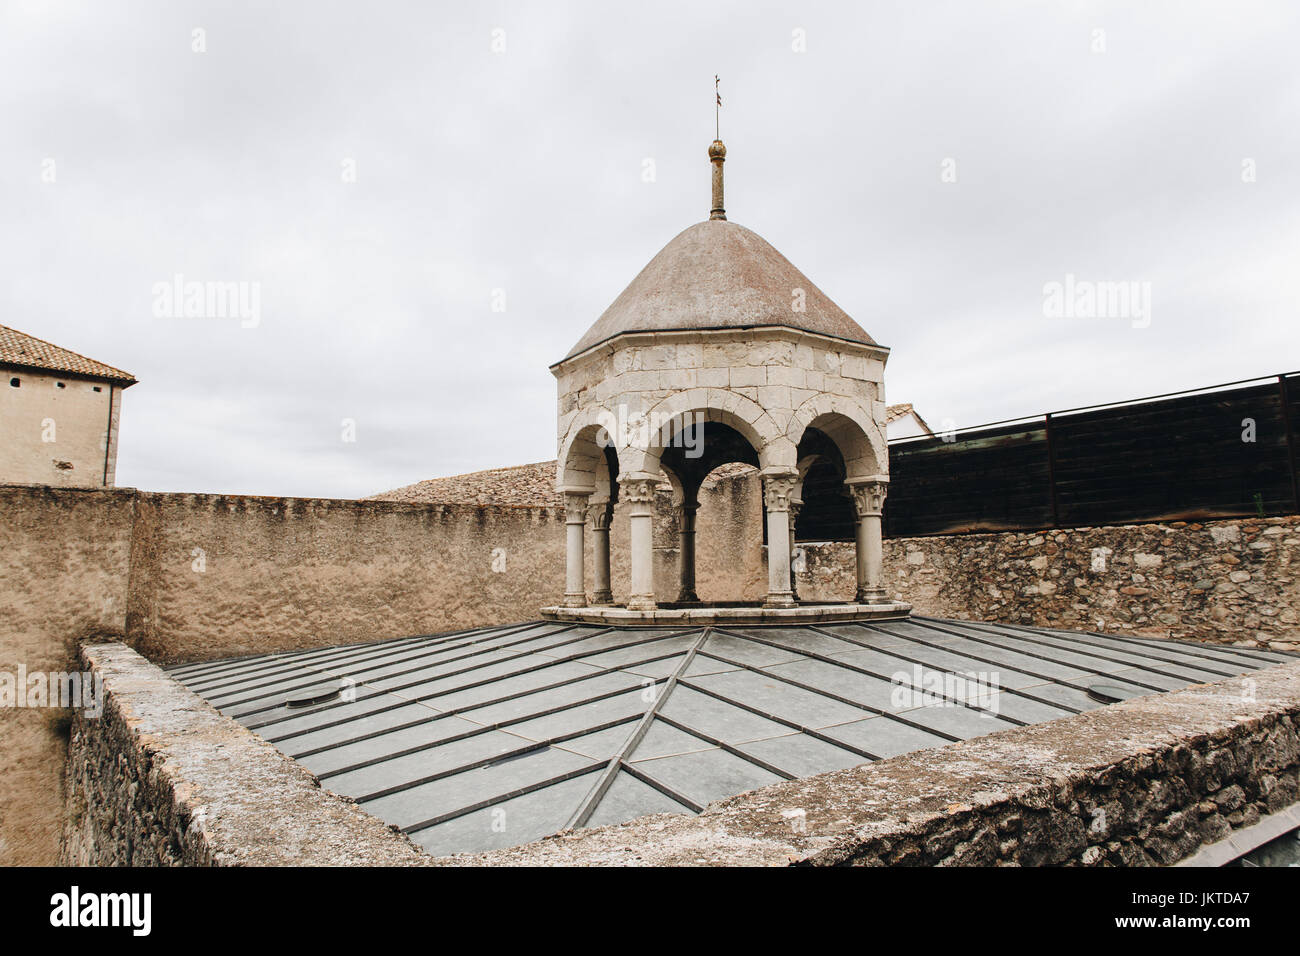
(686, 517)
(598, 515)
(869, 497)
(638, 489)
(777, 489)
(575, 508)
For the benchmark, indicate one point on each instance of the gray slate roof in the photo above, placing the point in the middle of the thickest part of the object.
(495, 737)
(719, 275)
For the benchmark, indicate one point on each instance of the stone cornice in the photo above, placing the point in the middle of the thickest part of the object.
(766, 333)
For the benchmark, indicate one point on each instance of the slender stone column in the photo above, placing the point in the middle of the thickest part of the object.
(638, 490)
(778, 485)
(575, 520)
(686, 538)
(598, 517)
(868, 503)
(717, 156)
(795, 505)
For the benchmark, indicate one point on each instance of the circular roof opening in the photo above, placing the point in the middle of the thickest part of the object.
(1110, 694)
(312, 695)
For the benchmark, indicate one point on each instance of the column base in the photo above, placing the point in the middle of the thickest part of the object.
(641, 602)
(602, 599)
(688, 596)
(873, 596)
(780, 599)
(575, 600)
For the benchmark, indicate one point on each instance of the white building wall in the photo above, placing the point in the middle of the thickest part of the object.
(54, 430)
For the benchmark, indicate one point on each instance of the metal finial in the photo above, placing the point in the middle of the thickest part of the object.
(717, 108)
(717, 156)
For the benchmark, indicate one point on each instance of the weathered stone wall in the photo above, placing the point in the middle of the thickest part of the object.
(1233, 582)
(214, 575)
(64, 562)
(163, 779)
(1140, 783)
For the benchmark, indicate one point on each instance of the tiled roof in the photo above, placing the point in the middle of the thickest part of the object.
(519, 485)
(500, 736)
(895, 412)
(19, 348)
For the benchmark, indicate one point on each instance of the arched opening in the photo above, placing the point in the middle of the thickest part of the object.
(842, 454)
(825, 510)
(587, 477)
(821, 478)
(693, 448)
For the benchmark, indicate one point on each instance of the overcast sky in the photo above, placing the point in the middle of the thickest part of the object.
(1117, 155)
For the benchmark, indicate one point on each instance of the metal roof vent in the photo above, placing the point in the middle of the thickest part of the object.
(313, 695)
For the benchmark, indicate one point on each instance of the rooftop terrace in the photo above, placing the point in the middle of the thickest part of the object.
(496, 737)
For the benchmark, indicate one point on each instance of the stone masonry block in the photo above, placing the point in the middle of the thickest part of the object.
(786, 375)
(751, 375)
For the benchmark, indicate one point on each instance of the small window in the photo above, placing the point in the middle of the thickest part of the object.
(14, 383)
(96, 388)
(59, 385)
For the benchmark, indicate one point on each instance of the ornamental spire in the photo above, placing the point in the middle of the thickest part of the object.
(717, 156)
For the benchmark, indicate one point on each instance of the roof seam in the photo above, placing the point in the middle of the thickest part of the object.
(616, 763)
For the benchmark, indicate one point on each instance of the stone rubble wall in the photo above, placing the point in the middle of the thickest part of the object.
(1227, 582)
(163, 779)
(1141, 783)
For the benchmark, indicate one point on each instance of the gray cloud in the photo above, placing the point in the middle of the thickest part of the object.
(522, 171)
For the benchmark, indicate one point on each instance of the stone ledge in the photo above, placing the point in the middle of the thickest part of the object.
(161, 778)
(1144, 782)
(688, 616)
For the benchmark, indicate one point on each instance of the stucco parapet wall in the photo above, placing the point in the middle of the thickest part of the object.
(288, 505)
(1169, 771)
(363, 506)
(162, 778)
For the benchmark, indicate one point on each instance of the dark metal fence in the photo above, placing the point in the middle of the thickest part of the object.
(1227, 451)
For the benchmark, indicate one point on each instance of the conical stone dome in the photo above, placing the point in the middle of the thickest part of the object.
(719, 275)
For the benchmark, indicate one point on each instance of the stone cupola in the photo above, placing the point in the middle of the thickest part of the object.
(719, 350)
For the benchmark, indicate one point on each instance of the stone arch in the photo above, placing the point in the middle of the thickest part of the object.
(802, 466)
(846, 423)
(581, 463)
(675, 483)
(715, 405)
